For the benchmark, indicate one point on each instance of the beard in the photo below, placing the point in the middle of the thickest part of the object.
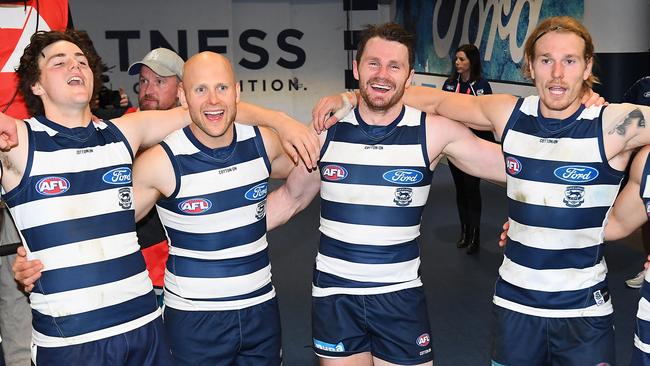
(379, 104)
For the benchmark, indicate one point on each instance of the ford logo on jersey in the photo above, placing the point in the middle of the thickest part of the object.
(121, 175)
(195, 206)
(513, 166)
(51, 186)
(256, 193)
(403, 176)
(576, 173)
(334, 172)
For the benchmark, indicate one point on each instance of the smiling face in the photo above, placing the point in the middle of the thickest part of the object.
(559, 70)
(383, 72)
(66, 80)
(211, 94)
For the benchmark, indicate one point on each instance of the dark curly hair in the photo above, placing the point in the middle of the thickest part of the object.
(390, 32)
(29, 73)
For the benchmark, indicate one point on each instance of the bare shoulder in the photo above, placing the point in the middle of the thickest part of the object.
(271, 140)
(14, 161)
(624, 115)
(153, 155)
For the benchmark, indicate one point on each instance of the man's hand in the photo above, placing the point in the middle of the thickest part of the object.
(330, 109)
(503, 239)
(299, 142)
(26, 272)
(8, 132)
(591, 98)
(124, 99)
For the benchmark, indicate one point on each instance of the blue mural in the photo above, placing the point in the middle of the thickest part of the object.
(497, 27)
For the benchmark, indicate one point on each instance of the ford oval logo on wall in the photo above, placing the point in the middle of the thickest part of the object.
(403, 176)
(576, 173)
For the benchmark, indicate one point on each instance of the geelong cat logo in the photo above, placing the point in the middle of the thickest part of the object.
(403, 176)
(576, 173)
(52, 186)
(256, 193)
(121, 175)
(334, 172)
(195, 206)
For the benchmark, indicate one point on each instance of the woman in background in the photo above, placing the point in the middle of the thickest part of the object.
(467, 77)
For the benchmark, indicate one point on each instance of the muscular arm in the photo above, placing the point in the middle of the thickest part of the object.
(147, 128)
(281, 164)
(628, 212)
(153, 177)
(489, 112)
(626, 127)
(293, 196)
(298, 140)
(471, 154)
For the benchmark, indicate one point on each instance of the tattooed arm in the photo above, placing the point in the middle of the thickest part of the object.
(625, 128)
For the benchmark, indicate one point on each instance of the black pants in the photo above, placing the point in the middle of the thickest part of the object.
(468, 191)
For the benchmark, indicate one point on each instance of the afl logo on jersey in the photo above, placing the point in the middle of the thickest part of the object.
(513, 166)
(423, 340)
(195, 206)
(403, 176)
(256, 193)
(334, 172)
(121, 175)
(647, 209)
(52, 186)
(576, 173)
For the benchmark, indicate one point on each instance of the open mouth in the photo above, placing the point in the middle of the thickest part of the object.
(75, 80)
(557, 90)
(381, 88)
(214, 115)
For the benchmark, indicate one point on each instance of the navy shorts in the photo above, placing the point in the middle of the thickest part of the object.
(144, 346)
(521, 339)
(250, 336)
(393, 327)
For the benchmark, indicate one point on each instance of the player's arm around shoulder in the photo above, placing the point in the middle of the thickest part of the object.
(153, 177)
(144, 129)
(487, 112)
(628, 212)
(471, 154)
(299, 141)
(281, 163)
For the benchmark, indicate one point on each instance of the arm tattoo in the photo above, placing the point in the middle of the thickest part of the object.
(621, 128)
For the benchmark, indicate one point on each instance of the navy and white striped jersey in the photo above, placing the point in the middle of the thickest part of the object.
(216, 223)
(374, 184)
(74, 210)
(642, 335)
(560, 191)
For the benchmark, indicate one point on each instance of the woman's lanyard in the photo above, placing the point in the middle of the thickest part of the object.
(470, 90)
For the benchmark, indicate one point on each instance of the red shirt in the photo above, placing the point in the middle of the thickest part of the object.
(17, 24)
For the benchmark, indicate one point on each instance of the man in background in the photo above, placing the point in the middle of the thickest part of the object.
(160, 73)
